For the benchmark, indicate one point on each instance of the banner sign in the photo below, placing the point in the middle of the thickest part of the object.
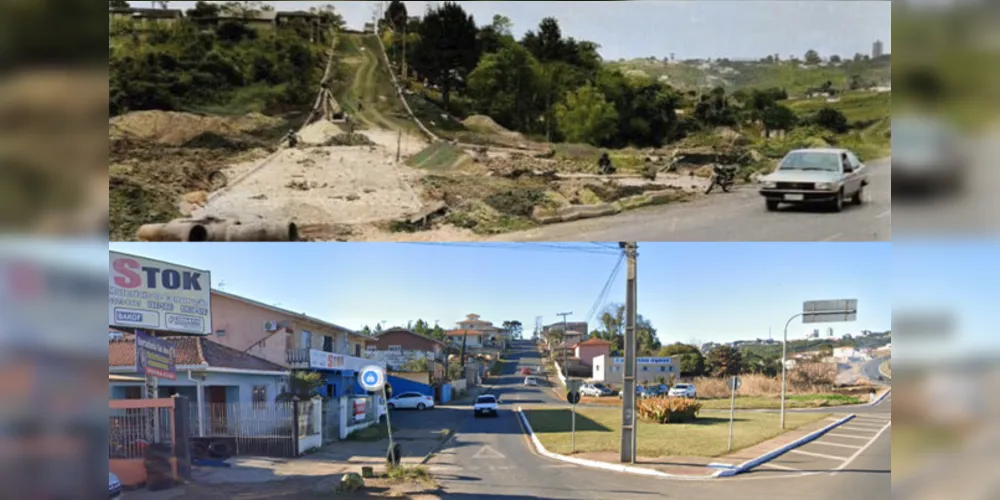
(359, 409)
(145, 293)
(645, 361)
(155, 357)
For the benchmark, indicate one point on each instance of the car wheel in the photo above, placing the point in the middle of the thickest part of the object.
(838, 202)
(392, 406)
(421, 407)
(772, 205)
(859, 196)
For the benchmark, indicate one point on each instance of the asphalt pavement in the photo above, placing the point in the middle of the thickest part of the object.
(492, 458)
(736, 216)
(871, 371)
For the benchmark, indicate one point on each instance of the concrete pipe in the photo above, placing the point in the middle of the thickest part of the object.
(261, 232)
(174, 231)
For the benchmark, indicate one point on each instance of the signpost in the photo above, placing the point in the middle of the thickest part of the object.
(734, 385)
(372, 379)
(154, 359)
(814, 311)
(573, 397)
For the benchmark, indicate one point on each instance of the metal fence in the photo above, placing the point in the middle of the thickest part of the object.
(131, 431)
(331, 421)
(228, 429)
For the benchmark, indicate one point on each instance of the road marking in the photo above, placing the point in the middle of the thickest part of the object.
(866, 426)
(837, 434)
(817, 455)
(863, 448)
(885, 214)
(865, 429)
(831, 238)
(851, 446)
(782, 467)
(488, 452)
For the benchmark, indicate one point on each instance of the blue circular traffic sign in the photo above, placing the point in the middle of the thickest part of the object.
(372, 378)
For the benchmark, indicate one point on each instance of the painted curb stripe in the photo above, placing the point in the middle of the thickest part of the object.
(767, 457)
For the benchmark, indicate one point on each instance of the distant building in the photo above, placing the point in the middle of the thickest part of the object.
(611, 370)
(878, 50)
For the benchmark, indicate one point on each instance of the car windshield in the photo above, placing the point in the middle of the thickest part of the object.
(810, 161)
(599, 386)
(485, 399)
(681, 386)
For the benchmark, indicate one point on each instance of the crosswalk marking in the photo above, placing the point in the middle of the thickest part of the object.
(837, 434)
(779, 466)
(827, 443)
(818, 455)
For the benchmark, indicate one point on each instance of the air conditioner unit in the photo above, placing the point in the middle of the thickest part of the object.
(270, 326)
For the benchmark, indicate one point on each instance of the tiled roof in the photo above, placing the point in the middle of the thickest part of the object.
(594, 341)
(411, 332)
(459, 333)
(193, 351)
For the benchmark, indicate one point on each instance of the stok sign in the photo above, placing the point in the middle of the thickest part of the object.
(130, 273)
(144, 293)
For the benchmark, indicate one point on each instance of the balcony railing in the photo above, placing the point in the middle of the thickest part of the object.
(297, 356)
(324, 360)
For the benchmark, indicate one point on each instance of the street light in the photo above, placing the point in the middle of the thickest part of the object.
(814, 311)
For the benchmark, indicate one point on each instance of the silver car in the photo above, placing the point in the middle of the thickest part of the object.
(828, 177)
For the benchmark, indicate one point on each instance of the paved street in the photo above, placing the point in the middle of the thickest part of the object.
(493, 459)
(736, 216)
(871, 371)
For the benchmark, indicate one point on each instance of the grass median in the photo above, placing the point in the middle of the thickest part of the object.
(599, 430)
(793, 401)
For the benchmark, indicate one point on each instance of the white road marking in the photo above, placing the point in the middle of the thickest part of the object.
(866, 425)
(864, 429)
(832, 238)
(885, 214)
(825, 443)
(488, 452)
(778, 466)
(837, 434)
(818, 455)
(863, 448)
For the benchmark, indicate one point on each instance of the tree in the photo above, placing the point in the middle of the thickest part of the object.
(832, 120)
(504, 86)
(585, 116)
(692, 362)
(778, 117)
(514, 327)
(835, 59)
(396, 15)
(417, 365)
(725, 360)
(447, 50)
(203, 10)
(812, 57)
(647, 344)
(302, 385)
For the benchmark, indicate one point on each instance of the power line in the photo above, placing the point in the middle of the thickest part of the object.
(603, 295)
(531, 247)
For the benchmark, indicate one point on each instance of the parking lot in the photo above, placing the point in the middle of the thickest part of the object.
(833, 451)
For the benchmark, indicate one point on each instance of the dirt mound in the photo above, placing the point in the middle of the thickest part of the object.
(349, 140)
(485, 125)
(319, 132)
(171, 128)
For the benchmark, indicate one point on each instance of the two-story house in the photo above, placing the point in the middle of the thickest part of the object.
(404, 350)
(293, 340)
(480, 333)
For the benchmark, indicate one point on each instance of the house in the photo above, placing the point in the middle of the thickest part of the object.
(591, 348)
(400, 349)
(486, 334)
(472, 338)
(610, 370)
(290, 339)
(845, 353)
(215, 378)
(143, 16)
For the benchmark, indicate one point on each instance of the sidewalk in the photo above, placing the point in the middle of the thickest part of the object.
(418, 434)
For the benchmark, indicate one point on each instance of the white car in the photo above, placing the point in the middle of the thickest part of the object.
(682, 391)
(114, 486)
(411, 401)
(594, 390)
(530, 382)
(827, 176)
(486, 405)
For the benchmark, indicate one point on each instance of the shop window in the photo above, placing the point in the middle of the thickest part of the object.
(259, 395)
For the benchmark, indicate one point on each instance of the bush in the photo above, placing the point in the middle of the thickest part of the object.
(667, 410)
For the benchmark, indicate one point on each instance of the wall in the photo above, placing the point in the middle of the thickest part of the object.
(645, 374)
(587, 353)
(418, 377)
(241, 386)
(400, 385)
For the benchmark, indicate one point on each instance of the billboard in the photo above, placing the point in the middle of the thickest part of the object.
(153, 295)
(155, 357)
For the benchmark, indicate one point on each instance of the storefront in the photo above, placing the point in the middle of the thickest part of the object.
(340, 372)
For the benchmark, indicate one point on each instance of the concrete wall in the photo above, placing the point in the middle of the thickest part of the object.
(240, 386)
(646, 373)
(587, 353)
(418, 377)
(400, 385)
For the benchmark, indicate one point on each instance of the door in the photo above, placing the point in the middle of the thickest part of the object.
(217, 410)
(852, 179)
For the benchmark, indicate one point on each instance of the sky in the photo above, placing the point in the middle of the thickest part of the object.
(689, 29)
(706, 291)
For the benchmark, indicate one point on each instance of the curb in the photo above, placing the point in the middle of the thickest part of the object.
(882, 372)
(767, 457)
(628, 469)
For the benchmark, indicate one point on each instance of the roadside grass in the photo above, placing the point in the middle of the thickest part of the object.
(376, 432)
(599, 430)
(886, 368)
(857, 107)
(795, 401)
(410, 473)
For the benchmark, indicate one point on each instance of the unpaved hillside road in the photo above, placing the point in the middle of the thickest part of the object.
(736, 216)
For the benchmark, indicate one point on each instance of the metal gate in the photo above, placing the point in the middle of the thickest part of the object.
(331, 421)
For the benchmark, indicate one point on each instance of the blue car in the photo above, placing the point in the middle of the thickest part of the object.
(114, 487)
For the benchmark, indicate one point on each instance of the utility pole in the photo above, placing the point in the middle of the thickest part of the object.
(628, 442)
(565, 367)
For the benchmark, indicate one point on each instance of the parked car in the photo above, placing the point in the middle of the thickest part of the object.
(928, 156)
(828, 176)
(411, 401)
(644, 392)
(530, 381)
(486, 405)
(595, 390)
(682, 391)
(114, 486)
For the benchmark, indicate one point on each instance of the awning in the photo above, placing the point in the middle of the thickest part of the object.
(124, 378)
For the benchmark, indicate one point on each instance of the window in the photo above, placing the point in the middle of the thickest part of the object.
(259, 395)
(395, 348)
(597, 368)
(645, 368)
(305, 339)
(357, 350)
(663, 368)
(220, 333)
(328, 344)
(371, 348)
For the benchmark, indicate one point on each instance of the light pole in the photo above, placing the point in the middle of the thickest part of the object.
(565, 368)
(784, 366)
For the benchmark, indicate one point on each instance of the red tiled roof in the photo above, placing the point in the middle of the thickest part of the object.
(459, 333)
(594, 341)
(193, 351)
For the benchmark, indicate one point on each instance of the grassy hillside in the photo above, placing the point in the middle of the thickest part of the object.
(733, 75)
